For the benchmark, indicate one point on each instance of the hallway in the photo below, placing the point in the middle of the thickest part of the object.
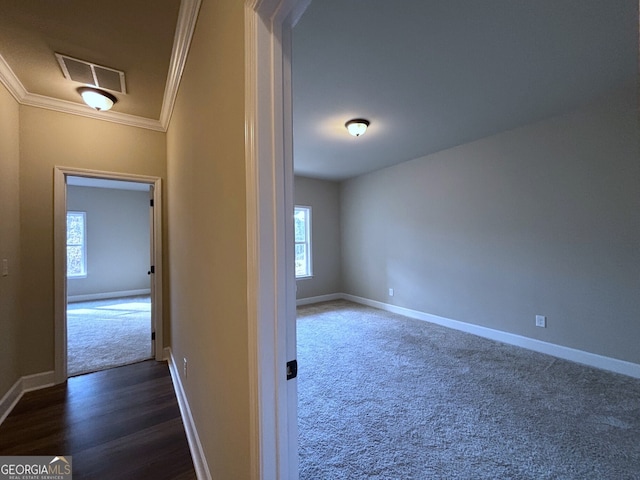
(119, 423)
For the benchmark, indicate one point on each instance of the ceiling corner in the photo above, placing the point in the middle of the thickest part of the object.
(11, 81)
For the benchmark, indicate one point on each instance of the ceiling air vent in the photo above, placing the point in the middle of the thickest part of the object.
(91, 74)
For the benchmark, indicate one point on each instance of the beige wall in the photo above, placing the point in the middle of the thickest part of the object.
(207, 240)
(49, 139)
(10, 319)
(323, 197)
(543, 219)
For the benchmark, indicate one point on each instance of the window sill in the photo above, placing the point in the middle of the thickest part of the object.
(306, 277)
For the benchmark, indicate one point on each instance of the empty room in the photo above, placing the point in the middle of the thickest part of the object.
(108, 285)
(467, 264)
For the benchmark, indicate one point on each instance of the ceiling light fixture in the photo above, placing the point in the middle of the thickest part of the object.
(357, 126)
(96, 98)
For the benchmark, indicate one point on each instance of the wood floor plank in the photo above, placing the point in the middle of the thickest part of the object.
(119, 423)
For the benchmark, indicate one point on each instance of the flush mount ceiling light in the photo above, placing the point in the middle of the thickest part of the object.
(96, 98)
(357, 126)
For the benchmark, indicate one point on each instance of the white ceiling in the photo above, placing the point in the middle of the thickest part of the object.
(433, 74)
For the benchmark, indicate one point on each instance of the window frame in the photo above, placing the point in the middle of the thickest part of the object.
(83, 245)
(307, 214)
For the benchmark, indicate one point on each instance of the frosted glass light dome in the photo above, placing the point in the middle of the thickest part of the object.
(98, 99)
(357, 126)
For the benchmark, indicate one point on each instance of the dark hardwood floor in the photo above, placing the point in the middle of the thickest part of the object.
(120, 423)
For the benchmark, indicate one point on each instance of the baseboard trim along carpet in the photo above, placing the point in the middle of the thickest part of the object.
(318, 299)
(197, 453)
(107, 295)
(579, 356)
(22, 386)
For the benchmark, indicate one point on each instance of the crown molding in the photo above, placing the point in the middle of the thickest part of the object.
(187, 18)
(65, 106)
(9, 80)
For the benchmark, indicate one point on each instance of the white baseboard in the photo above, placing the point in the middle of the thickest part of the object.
(580, 356)
(197, 453)
(23, 385)
(318, 299)
(106, 295)
(10, 399)
(38, 381)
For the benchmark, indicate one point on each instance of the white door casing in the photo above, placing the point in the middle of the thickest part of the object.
(60, 175)
(270, 242)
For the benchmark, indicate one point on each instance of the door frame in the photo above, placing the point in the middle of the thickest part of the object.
(60, 175)
(270, 246)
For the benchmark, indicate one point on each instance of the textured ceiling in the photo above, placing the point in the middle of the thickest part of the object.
(432, 74)
(134, 36)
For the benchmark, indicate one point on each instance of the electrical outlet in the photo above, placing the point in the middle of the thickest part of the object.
(541, 321)
(391, 292)
(184, 367)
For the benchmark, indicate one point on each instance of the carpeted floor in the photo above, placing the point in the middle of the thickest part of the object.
(382, 396)
(107, 333)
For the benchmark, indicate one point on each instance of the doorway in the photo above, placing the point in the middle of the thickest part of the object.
(107, 297)
(108, 287)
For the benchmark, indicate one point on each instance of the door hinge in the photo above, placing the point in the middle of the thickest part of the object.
(292, 369)
(152, 269)
(153, 335)
(151, 202)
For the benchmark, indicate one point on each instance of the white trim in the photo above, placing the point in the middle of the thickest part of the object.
(166, 354)
(181, 42)
(261, 261)
(106, 295)
(187, 18)
(320, 298)
(579, 356)
(80, 109)
(10, 400)
(9, 80)
(23, 385)
(59, 258)
(270, 279)
(195, 446)
(37, 381)
(288, 339)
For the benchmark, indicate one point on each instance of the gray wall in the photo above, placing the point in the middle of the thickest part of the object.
(323, 198)
(543, 219)
(117, 240)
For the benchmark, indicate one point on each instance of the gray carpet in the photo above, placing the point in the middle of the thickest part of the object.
(107, 333)
(382, 396)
